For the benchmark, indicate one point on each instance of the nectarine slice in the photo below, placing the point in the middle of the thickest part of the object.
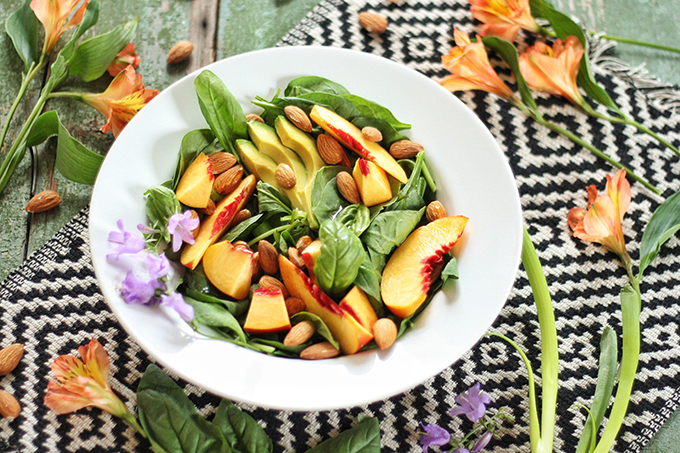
(229, 268)
(374, 186)
(195, 185)
(267, 312)
(356, 302)
(407, 276)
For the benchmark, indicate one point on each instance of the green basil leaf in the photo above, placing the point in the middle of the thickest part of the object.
(341, 256)
(411, 196)
(214, 315)
(320, 326)
(508, 53)
(368, 279)
(242, 432)
(195, 279)
(22, 27)
(308, 84)
(606, 376)
(362, 438)
(236, 308)
(330, 203)
(370, 109)
(171, 420)
(240, 230)
(663, 224)
(343, 107)
(221, 110)
(450, 271)
(389, 133)
(92, 57)
(389, 229)
(193, 143)
(271, 200)
(356, 217)
(564, 26)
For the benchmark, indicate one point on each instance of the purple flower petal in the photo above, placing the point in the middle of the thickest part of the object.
(471, 403)
(128, 243)
(482, 442)
(145, 229)
(180, 227)
(136, 291)
(158, 266)
(436, 435)
(461, 450)
(177, 303)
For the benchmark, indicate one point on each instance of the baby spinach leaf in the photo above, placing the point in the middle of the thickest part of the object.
(236, 308)
(339, 104)
(240, 230)
(389, 133)
(307, 84)
(368, 279)
(277, 348)
(663, 224)
(170, 418)
(362, 438)
(193, 143)
(221, 110)
(410, 197)
(326, 199)
(356, 217)
(389, 229)
(214, 315)
(341, 256)
(370, 109)
(270, 199)
(320, 326)
(450, 271)
(242, 432)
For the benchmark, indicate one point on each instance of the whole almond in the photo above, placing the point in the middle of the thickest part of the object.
(298, 117)
(243, 245)
(180, 52)
(243, 214)
(221, 162)
(295, 305)
(194, 232)
(257, 269)
(384, 332)
(404, 149)
(319, 351)
(371, 134)
(435, 210)
(285, 176)
(254, 117)
(329, 149)
(269, 257)
(43, 201)
(347, 187)
(303, 242)
(210, 209)
(299, 334)
(9, 406)
(229, 180)
(373, 22)
(295, 258)
(267, 281)
(10, 357)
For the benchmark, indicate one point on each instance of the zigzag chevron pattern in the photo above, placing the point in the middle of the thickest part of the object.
(53, 305)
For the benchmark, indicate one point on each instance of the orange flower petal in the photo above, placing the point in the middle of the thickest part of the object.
(504, 18)
(97, 361)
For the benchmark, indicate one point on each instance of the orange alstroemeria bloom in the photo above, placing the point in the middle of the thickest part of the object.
(554, 69)
(470, 68)
(121, 101)
(504, 18)
(126, 57)
(601, 222)
(83, 383)
(57, 16)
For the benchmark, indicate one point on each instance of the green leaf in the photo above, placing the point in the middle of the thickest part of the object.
(663, 224)
(161, 204)
(320, 326)
(271, 200)
(326, 199)
(22, 27)
(362, 438)
(214, 315)
(236, 308)
(242, 228)
(242, 432)
(74, 161)
(341, 256)
(92, 57)
(564, 26)
(193, 143)
(411, 196)
(171, 420)
(221, 110)
(308, 84)
(389, 229)
(389, 133)
(370, 109)
(450, 271)
(606, 376)
(339, 104)
(356, 217)
(368, 279)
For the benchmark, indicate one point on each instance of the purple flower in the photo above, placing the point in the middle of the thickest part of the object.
(177, 303)
(145, 229)
(136, 291)
(436, 435)
(461, 450)
(180, 227)
(158, 266)
(128, 243)
(482, 442)
(472, 403)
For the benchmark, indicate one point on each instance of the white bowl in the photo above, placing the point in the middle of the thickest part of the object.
(474, 180)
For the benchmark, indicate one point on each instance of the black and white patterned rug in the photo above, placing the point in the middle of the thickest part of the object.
(52, 303)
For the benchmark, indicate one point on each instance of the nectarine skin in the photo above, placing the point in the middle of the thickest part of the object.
(195, 185)
(407, 276)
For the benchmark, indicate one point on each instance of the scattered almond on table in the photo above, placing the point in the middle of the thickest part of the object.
(373, 22)
(43, 201)
(180, 52)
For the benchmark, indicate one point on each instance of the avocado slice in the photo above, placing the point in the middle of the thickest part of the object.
(300, 142)
(267, 142)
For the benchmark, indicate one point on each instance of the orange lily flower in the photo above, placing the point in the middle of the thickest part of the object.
(554, 70)
(57, 16)
(126, 57)
(121, 101)
(601, 222)
(470, 68)
(504, 18)
(83, 383)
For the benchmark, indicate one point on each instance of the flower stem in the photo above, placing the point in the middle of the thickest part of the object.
(639, 43)
(128, 417)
